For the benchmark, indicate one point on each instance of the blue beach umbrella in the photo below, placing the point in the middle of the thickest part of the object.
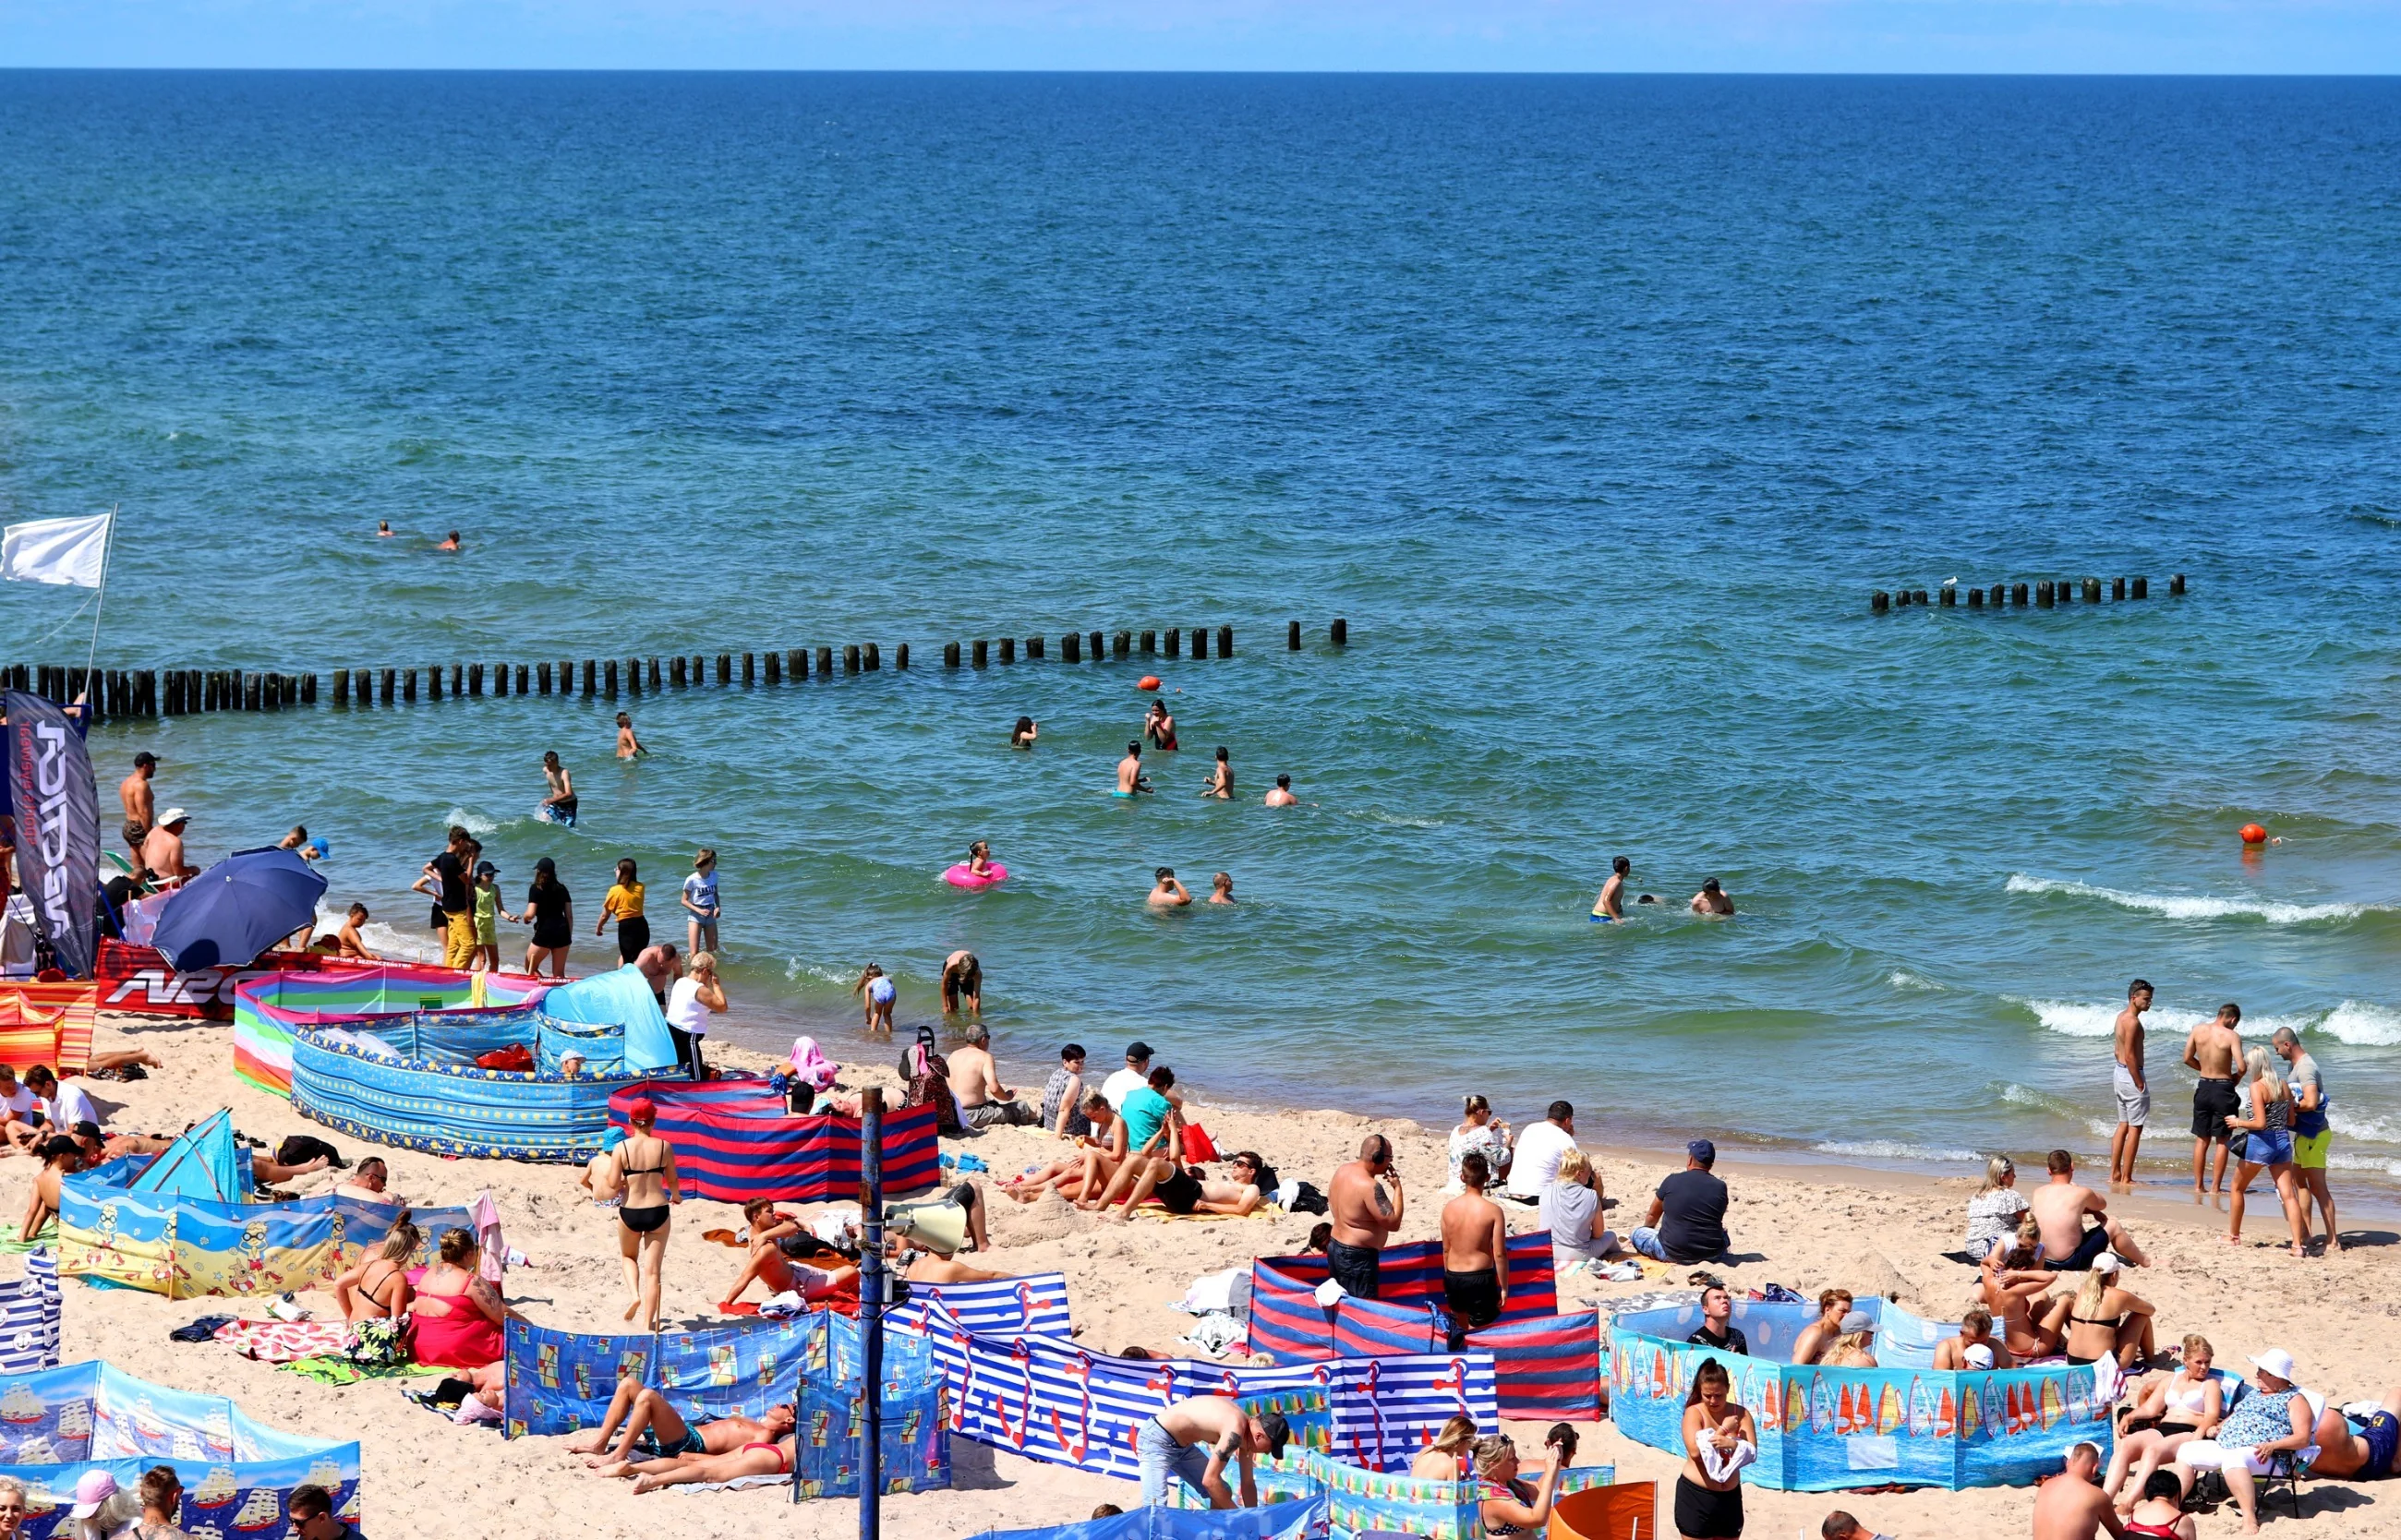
(238, 909)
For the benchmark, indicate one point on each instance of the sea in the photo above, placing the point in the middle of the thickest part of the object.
(1597, 406)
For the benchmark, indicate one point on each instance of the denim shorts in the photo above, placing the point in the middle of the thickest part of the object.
(1160, 1457)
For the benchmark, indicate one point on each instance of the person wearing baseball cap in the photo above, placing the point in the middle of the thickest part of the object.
(96, 1497)
(162, 849)
(1191, 1441)
(1687, 1218)
(646, 1164)
(1133, 1077)
(2276, 1419)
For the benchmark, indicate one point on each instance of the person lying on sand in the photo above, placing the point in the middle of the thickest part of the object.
(370, 1182)
(756, 1458)
(788, 1258)
(647, 1425)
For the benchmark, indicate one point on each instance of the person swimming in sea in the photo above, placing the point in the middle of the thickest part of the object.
(1712, 900)
(1281, 796)
(559, 806)
(1130, 781)
(1220, 783)
(1221, 888)
(627, 744)
(1160, 726)
(1608, 908)
(1167, 892)
(1022, 735)
(450, 544)
(979, 859)
(383, 529)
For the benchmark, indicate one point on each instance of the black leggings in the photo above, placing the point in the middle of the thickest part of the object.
(632, 934)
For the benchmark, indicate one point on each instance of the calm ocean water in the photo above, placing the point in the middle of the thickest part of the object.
(1597, 405)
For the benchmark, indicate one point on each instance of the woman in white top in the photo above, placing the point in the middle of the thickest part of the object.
(1477, 1132)
(689, 1000)
(2178, 1408)
(1993, 1211)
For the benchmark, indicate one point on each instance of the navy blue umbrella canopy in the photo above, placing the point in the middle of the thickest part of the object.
(238, 909)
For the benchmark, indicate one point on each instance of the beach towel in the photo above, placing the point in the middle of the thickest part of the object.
(11, 1242)
(811, 1066)
(285, 1341)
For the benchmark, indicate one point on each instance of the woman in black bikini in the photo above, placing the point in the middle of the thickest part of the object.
(1507, 1504)
(647, 1162)
(2101, 1319)
(375, 1297)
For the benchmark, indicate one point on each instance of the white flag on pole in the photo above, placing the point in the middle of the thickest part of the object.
(56, 550)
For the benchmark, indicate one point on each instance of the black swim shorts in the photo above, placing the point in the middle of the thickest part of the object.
(2212, 1102)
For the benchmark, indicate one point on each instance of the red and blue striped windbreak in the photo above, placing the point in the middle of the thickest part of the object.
(1371, 1329)
(733, 1142)
(1413, 1273)
(1548, 1369)
(1287, 1324)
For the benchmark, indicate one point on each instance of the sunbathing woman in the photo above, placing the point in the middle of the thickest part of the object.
(757, 1458)
(1089, 1168)
(1451, 1455)
(456, 1320)
(2101, 1319)
(1508, 1504)
(377, 1289)
(2013, 1278)
(2171, 1410)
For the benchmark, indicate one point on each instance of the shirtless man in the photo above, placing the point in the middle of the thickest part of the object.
(2133, 1091)
(2071, 1504)
(661, 967)
(961, 983)
(2214, 1050)
(786, 1258)
(135, 792)
(1610, 908)
(1365, 1211)
(1167, 892)
(1220, 783)
(2358, 1450)
(1130, 781)
(930, 1266)
(1712, 899)
(1171, 1447)
(349, 943)
(1280, 795)
(2059, 1206)
(651, 1427)
(449, 543)
(370, 1184)
(1818, 1337)
(162, 850)
(983, 1101)
(1975, 1331)
(61, 1157)
(1475, 1253)
(629, 746)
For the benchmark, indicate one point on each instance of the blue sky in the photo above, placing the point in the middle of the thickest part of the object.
(2243, 36)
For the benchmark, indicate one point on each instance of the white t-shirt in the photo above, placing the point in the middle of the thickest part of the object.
(684, 1007)
(1537, 1165)
(23, 1101)
(702, 891)
(73, 1107)
(1117, 1085)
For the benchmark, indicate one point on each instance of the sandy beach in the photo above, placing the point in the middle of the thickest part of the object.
(424, 1477)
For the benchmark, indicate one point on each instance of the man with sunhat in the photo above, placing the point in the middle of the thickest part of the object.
(1687, 1218)
(1193, 1440)
(162, 849)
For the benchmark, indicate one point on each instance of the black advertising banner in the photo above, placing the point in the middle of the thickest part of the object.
(58, 827)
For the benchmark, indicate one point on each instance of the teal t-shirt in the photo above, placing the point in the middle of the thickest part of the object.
(1143, 1110)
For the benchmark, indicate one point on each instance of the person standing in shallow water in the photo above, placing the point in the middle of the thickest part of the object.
(559, 806)
(1712, 899)
(622, 903)
(2126, 1082)
(629, 746)
(1160, 726)
(1130, 781)
(1610, 908)
(1282, 797)
(1220, 783)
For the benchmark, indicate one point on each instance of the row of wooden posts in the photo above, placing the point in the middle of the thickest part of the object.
(183, 693)
(2043, 596)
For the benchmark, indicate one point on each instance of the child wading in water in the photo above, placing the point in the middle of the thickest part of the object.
(877, 990)
(627, 744)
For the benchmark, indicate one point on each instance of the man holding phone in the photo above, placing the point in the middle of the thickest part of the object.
(1368, 1204)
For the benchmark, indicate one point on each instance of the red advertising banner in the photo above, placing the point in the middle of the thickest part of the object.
(139, 979)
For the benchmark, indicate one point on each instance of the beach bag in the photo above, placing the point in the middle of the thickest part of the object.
(931, 1084)
(516, 1056)
(1308, 1200)
(1198, 1148)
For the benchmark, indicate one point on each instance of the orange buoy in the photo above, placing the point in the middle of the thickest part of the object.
(2253, 834)
(1150, 681)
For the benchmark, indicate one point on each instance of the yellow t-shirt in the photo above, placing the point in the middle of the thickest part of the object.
(622, 901)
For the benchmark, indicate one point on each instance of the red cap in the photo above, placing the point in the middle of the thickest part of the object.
(642, 1110)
